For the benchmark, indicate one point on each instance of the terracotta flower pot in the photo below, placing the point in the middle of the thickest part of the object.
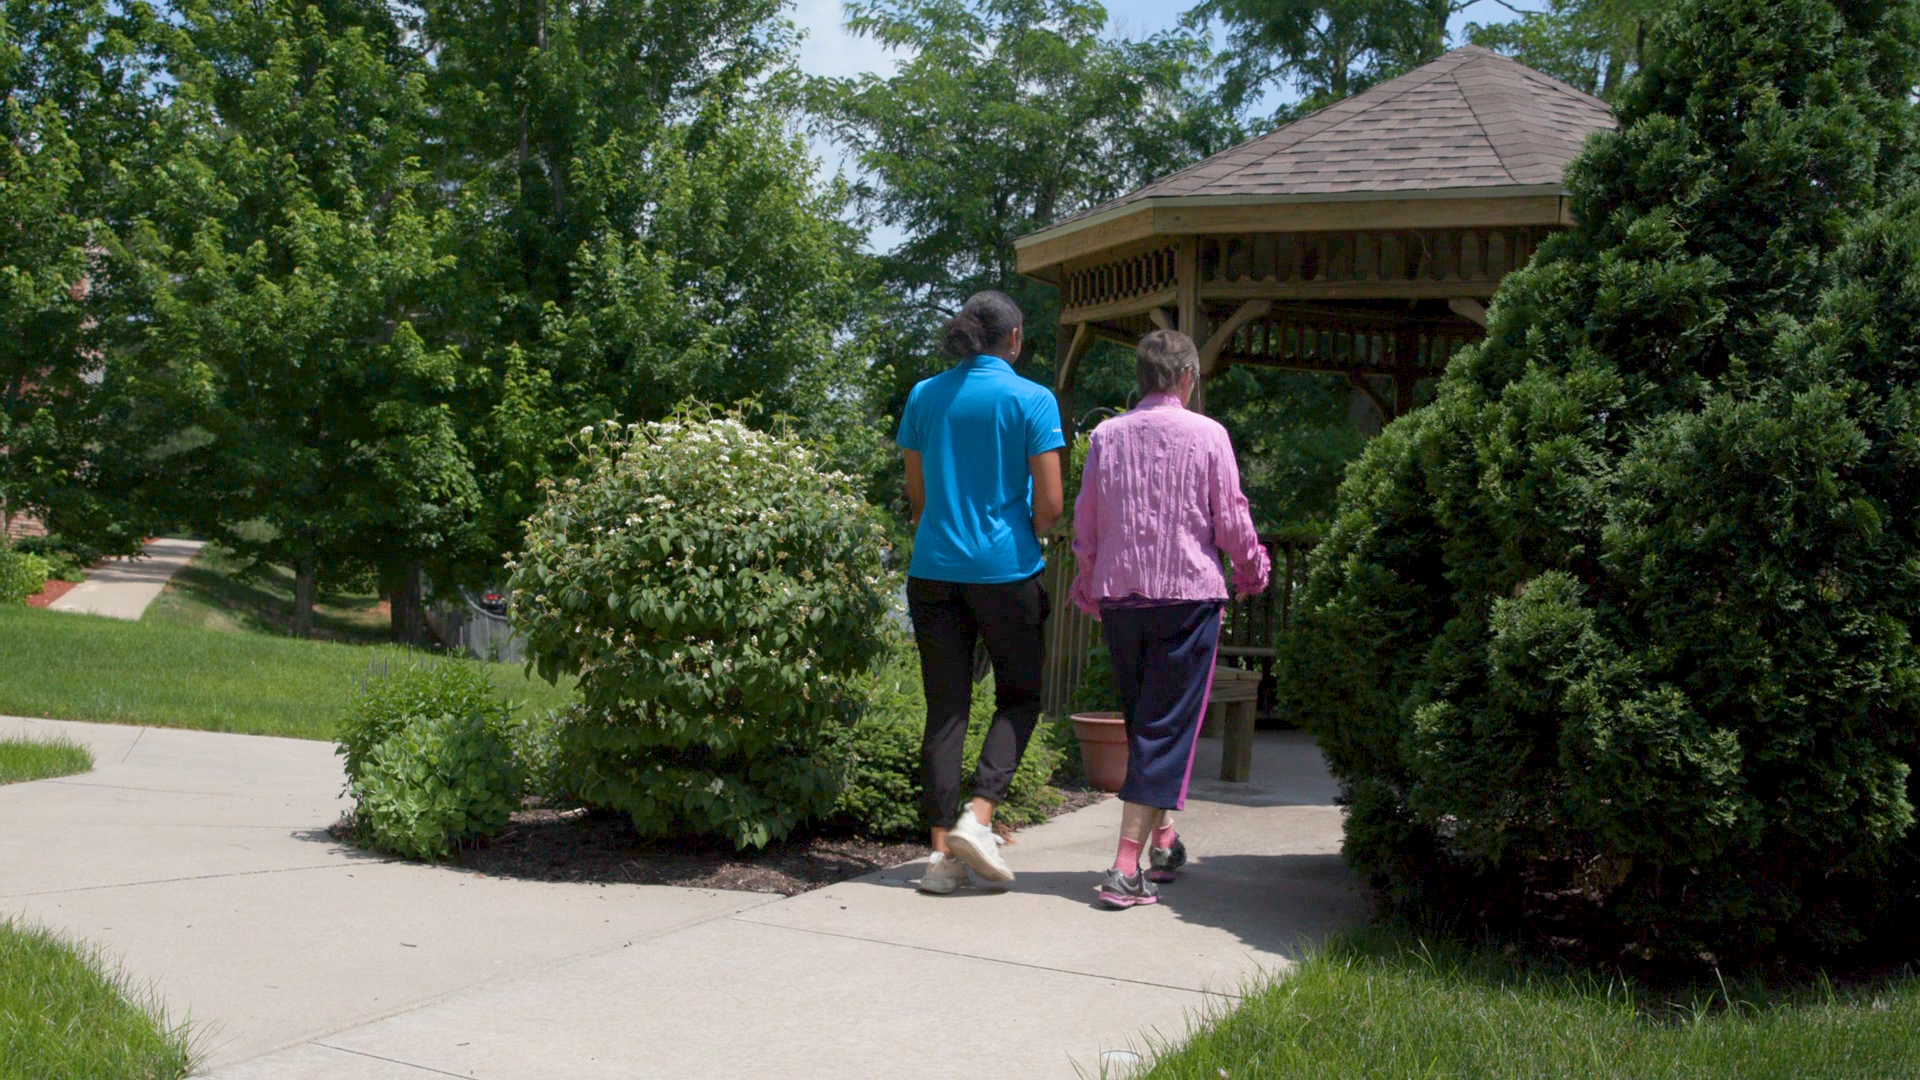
(1103, 748)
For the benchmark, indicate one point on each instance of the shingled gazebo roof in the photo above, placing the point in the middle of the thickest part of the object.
(1470, 124)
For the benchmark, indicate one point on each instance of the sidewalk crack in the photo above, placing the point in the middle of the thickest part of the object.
(989, 959)
(174, 881)
(393, 1061)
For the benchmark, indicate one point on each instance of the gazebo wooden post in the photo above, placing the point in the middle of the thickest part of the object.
(1069, 347)
(1193, 317)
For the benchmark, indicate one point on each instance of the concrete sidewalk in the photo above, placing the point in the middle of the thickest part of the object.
(199, 858)
(122, 588)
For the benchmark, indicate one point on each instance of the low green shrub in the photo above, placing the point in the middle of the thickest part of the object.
(21, 575)
(880, 793)
(67, 560)
(437, 781)
(430, 759)
(389, 699)
(536, 744)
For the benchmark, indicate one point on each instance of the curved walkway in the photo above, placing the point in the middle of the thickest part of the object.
(122, 588)
(201, 860)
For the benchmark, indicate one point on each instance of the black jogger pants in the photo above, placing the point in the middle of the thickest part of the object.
(947, 619)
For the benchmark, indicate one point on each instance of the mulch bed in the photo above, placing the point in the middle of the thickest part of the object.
(578, 846)
(55, 589)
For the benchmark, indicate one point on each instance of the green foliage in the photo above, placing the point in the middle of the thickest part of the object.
(67, 560)
(1592, 45)
(66, 1012)
(1325, 50)
(1626, 618)
(880, 793)
(21, 574)
(389, 700)
(637, 224)
(76, 101)
(430, 760)
(1295, 438)
(289, 239)
(439, 780)
(1019, 76)
(718, 594)
(1095, 692)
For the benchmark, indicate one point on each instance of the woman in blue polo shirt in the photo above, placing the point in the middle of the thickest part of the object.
(983, 479)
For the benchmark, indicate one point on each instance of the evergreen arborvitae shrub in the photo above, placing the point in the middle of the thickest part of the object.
(1614, 641)
(719, 594)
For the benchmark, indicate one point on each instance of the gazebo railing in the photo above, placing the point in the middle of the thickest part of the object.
(1249, 634)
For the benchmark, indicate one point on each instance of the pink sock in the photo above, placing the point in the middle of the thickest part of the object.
(1128, 860)
(1164, 836)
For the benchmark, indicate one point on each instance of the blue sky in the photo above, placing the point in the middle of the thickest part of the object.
(829, 50)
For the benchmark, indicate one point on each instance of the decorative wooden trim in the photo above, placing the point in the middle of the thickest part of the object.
(1210, 352)
(1365, 386)
(1471, 310)
(1228, 291)
(1139, 305)
(1146, 272)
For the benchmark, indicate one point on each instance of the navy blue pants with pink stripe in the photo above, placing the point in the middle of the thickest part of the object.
(1163, 657)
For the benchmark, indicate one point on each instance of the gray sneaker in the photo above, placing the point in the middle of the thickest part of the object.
(1120, 892)
(1165, 862)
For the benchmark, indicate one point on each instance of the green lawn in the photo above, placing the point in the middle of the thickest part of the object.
(83, 667)
(22, 759)
(63, 1015)
(1381, 1004)
(214, 592)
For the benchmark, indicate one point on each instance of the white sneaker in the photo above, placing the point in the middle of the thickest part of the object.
(978, 847)
(943, 876)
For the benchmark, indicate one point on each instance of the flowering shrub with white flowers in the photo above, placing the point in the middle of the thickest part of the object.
(717, 591)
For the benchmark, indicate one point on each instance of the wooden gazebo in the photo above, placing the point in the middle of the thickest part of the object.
(1363, 240)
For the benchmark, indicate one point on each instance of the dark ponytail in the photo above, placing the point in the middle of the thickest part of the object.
(984, 324)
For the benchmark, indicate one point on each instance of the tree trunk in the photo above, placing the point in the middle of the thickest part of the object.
(408, 609)
(303, 579)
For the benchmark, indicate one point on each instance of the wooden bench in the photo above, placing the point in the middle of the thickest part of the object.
(1230, 713)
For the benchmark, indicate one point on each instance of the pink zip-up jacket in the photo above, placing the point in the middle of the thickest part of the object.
(1159, 501)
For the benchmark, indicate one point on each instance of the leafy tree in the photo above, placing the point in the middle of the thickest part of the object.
(1007, 116)
(1324, 50)
(75, 98)
(637, 223)
(1594, 45)
(1621, 629)
(1294, 435)
(290, 246)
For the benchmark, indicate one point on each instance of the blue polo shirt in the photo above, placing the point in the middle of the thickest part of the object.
(974, 428)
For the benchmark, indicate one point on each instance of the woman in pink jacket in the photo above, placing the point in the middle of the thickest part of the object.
(1159, 502)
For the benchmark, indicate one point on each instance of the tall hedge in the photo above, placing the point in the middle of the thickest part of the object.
(1614, 642)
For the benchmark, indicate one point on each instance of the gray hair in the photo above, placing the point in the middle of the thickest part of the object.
(1165, 355)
